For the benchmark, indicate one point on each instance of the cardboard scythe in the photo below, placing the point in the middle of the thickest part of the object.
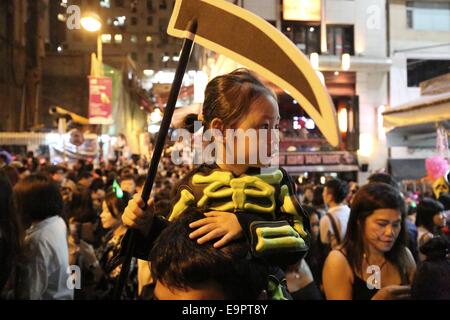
(253, 42)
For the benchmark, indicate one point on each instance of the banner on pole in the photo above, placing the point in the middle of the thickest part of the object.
(100, 100)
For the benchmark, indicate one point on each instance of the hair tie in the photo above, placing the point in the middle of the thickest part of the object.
(117, 190)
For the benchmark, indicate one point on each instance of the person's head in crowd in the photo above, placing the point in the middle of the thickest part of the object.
(11, 234)
(140, 181)
(314, 218)
(68, 187)
(353, 188)
(127, 183)
(432, 279)
(79, 165)
(430, 215)
(162, 195)
(205, 273)
(89, 167)
(56, 173)
(85, 179)
(81, 208)
(444, 199)
(3, 160)
(335, 192)
(318, 197)
(376, 224)
(308, 194)
(97, 190)
(163, 207)
(229, 100)
(113, 207)
(383, 178)
(37, 198)
(11, 173)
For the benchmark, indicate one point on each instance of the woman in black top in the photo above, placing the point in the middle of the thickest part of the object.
(373, 262)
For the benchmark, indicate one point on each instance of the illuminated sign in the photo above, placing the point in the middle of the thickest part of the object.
(301, 10)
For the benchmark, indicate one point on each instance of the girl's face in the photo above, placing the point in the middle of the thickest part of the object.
(309, 195)
(382, 228)
(108, 220)
(260, 145)
(439, 220)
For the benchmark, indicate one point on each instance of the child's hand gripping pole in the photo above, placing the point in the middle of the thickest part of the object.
(159, 146)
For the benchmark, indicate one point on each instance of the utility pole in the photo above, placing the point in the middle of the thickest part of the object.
(34, 54)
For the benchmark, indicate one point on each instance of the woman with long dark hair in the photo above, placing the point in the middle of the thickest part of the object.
(373, 262)
(11, 238)
(104, 262)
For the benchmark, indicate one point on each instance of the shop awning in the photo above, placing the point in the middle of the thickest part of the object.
(427, 109)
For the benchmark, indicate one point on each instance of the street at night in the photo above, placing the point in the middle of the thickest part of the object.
(253, 150)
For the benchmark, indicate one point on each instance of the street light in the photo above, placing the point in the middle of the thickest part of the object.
(91, 22)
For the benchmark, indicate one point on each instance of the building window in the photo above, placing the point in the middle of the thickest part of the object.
(134, 38)
(162, 4)
(134, 21)
(163, 23)
(105, 3)
(149, 58)
(149, 21)
(106, 38)
(340, 39)
(119, 3)
(118, 38)
(150, 5)
(119, 21)
(133, 6)
(423, 15)
(304, 35)
(134, 56)
(422, 70)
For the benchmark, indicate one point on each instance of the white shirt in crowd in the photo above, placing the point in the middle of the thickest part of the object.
(340, 214)
(47, 262)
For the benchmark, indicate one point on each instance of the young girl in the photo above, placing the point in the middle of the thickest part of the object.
(430, 219)
(237, 198)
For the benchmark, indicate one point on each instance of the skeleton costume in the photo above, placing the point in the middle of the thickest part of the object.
(271, 218)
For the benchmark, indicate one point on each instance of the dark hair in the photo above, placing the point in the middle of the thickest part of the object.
(383, 178)
(37, 197)
(127, 176)
(115, 205)
(11, 173)
(97, 184)
(140, 180)
(10, 230)
(81, 208)
(228, 97)
(84, 175)
(432, 281)
(179, 262)
(369, 198)
(426, 210)
(445, 200)
(317, 197)
(338, 188)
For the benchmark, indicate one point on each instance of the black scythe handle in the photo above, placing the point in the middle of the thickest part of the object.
(159, 146)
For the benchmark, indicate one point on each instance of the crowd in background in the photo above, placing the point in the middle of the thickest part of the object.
(56, 216)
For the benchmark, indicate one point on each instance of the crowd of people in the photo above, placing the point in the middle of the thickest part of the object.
(56, 216)
(217, 230)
